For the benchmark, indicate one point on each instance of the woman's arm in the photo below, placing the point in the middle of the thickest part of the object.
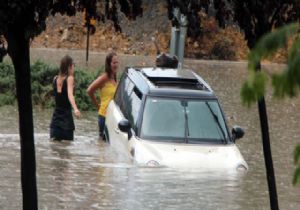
(95, 85)
(71, 96)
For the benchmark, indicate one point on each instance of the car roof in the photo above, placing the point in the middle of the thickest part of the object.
(169, 82)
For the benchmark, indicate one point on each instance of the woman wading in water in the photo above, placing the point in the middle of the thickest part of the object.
(62, 124)
(106, 83)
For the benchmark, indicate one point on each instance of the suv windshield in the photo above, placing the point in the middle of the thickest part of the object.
(183, 120)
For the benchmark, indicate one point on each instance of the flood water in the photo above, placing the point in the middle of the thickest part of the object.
(89, 174)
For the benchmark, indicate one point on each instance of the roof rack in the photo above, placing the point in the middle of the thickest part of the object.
(183, 83)
(173, 78)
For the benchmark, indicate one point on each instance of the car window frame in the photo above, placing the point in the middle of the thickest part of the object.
(116, 99)
(228, 140)
(122, 105)
(134, 125)
(122, 84)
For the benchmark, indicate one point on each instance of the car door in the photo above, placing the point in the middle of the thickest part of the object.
(117, 111)
(117, 138)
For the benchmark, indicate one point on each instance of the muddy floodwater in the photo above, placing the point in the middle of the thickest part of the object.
(89, 174)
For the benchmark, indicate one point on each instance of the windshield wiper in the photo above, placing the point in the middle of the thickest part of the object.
(187, 132)
(186, 124)
(216, 120)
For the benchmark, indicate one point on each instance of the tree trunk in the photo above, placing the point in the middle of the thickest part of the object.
(18, 49)
(267, 151)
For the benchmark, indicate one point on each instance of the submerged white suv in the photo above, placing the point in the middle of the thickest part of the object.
(170, 117)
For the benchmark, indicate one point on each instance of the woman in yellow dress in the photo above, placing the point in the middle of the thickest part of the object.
(106, 83)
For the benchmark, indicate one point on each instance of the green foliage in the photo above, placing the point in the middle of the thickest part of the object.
(83, 78)
(285, 83)
(270, 43)
(41, 85)
(7, 99)
(41, 77)
(7, 83)
(254, 88)
(291, 76)
(297, 162)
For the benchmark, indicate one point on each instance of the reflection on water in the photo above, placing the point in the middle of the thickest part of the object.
(89, 174)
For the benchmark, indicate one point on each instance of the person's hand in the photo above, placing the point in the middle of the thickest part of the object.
(77, 113)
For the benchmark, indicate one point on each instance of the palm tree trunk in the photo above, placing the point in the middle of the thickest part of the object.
(18, 49)
(262, 109)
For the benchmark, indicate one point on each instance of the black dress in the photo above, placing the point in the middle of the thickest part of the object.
(62, 124)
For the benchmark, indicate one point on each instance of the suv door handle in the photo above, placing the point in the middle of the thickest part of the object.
(117, 130)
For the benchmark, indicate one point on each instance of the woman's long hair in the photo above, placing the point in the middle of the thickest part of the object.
(65, 63)
(108, 69)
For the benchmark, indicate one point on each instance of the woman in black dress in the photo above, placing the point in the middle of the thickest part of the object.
(62, 124)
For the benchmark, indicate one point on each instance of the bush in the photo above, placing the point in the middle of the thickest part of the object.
(41, 85)
(7, 99)
(223, 50)
(83, 78)
(7, 80)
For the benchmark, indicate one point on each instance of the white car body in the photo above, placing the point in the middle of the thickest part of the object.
(171, 118)
(178, 155)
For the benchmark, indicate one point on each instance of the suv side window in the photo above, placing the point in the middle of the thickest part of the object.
(123, 92)
(135, 104)
(126, 107)
(120, 90)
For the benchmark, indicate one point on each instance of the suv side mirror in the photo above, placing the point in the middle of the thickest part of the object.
(124, 126)
(237, 132)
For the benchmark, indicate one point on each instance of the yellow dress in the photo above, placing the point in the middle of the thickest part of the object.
(107, 93)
